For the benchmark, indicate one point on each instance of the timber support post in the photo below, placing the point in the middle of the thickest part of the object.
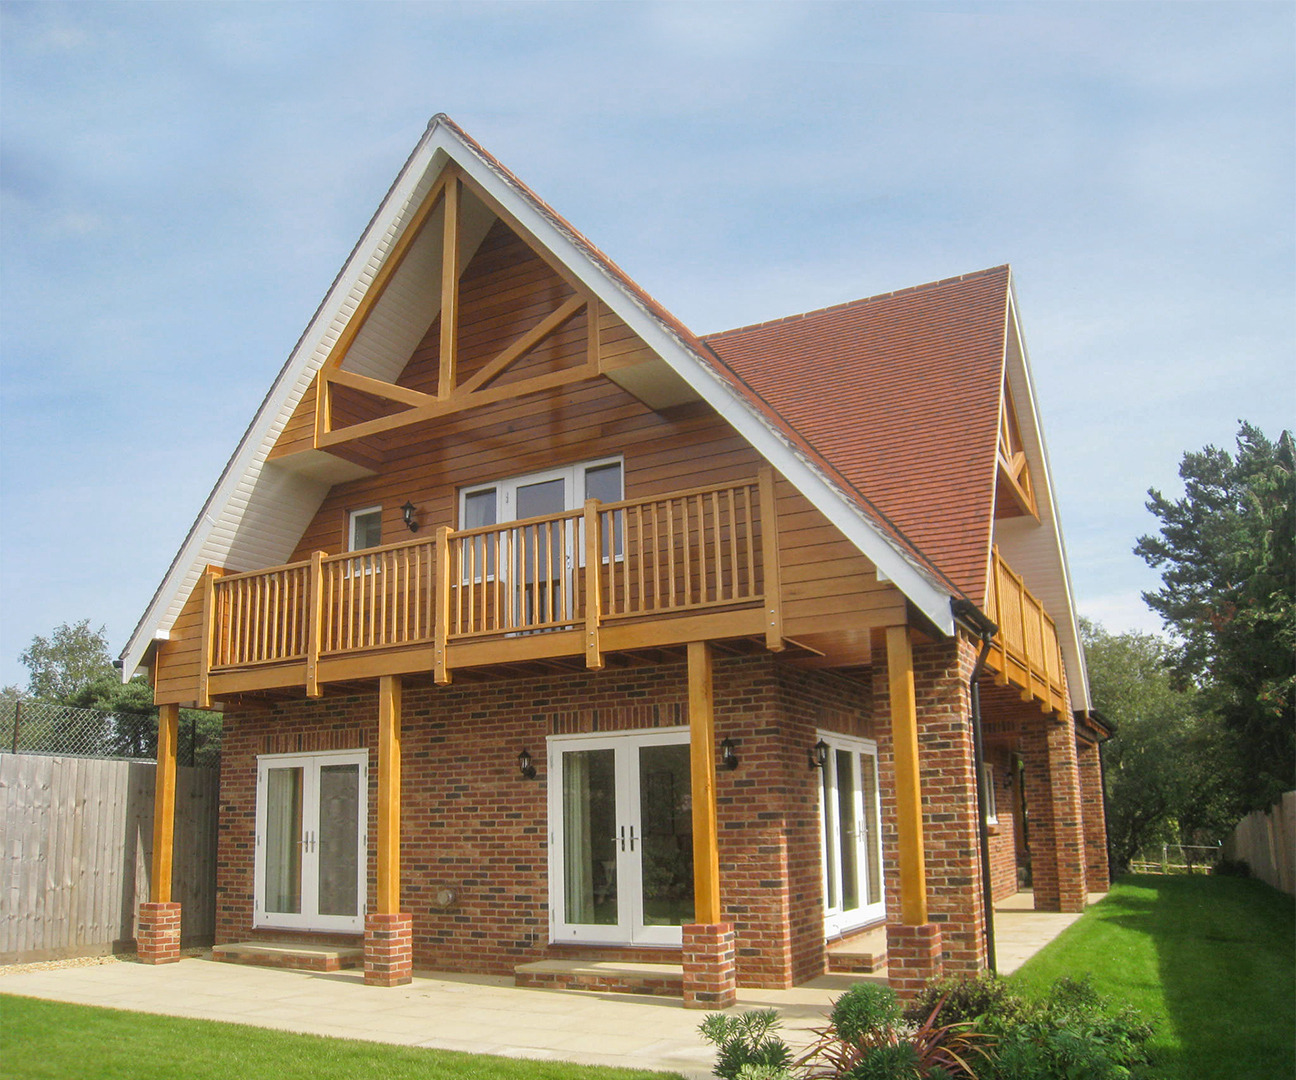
(388, 940)
(158, 936)
(709, 957)
(914, 945)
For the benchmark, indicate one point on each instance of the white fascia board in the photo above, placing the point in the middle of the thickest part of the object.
(1068, 624)
(248, 459)
(932, 600)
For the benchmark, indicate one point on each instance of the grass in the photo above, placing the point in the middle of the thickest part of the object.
(1210, 960)
(47, 1039)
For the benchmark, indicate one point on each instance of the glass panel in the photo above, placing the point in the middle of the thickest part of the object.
(666, 844)
(872, 830)
(541, 549)
(603, 482)
(339, 839)
(283, 796)
(366, 530)
(589, 837)
(848, 830)
(480, 511)
(832, 897)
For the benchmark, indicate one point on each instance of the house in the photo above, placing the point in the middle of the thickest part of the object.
(546, 631)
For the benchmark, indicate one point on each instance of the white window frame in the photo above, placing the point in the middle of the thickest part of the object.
(992, 796)
(309, 917)
(506, 487)
(353, 517)
(627, 930)
(839, 920)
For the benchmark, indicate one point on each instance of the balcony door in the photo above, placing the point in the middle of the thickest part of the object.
(309, 870)
(621, 838)
(850, 834)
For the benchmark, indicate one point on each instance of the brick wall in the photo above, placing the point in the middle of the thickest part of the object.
(472, 825)
(1097, 872)
(1053, 802)
(1003, 835)
(952, 843)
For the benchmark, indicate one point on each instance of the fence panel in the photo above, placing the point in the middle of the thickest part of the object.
(1267, 841)
(78, 835)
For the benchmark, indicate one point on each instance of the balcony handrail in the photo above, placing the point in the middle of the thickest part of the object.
(684, 493)
(1024, 622)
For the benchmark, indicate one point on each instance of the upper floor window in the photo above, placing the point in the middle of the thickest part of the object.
(539, 494)
(365, 529)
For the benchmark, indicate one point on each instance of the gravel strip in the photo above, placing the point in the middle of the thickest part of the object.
(82, 961)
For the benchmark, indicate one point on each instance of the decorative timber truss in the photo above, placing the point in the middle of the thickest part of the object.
(483, 386)
(1014, 472)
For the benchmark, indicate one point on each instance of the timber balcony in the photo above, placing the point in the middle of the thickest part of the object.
(566, 588)
(1025, 653)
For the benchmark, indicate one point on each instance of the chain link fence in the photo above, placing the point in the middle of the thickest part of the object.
(28, 726)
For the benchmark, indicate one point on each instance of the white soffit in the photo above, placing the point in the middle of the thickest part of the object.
(1038, 551)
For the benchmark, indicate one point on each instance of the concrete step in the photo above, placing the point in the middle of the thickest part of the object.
(860, 954)
(604, 976)
(291, 954)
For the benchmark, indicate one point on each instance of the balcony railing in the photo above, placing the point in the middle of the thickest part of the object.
(1025, 652)
(577, 575)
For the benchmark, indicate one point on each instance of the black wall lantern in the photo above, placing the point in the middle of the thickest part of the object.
(525, 767)
(407, 514)
(819, 755)
(728, 759)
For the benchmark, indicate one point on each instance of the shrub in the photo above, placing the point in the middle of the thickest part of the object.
(1232, 868)
(745, 1043)
(965, 997)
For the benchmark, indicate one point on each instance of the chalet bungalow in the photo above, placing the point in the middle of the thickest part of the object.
(548, 632)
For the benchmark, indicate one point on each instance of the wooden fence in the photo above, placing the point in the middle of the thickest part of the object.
(1266, 839)
(78, 838)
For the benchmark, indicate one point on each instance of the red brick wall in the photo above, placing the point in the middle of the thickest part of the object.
(1097, 872)
(952, 843)
(1053, 802)
(1003, 837)
(471, 824)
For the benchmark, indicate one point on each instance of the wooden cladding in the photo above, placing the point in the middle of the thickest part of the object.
(686, 553)
(1025, 653)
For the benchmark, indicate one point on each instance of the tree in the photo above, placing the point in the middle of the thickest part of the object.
(1227, 555)
(1168, 776)
(70, 659)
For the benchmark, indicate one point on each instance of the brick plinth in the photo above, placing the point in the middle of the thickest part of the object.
(914, 957)
(158, 939)
(710, 974)
(388, 950)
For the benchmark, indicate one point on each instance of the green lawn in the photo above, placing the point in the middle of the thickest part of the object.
(50, 1039)
(1210, 960)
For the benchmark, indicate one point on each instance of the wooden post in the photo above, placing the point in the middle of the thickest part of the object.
(389, 794)
(441, 602)
(706, 847)
(210, 626)
(164, 789)
(314, 623)
(904, 737)
(593, 590)
(449, 290)
(770, 557)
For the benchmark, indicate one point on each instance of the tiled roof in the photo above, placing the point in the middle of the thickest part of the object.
(899, 394)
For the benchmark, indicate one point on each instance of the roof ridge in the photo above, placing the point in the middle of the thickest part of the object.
(862, 300)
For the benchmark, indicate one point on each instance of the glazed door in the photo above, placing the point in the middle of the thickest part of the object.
(310, 841)
(850, 834)
(621, 838)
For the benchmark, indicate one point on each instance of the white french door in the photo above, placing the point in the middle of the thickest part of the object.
(309, 870)
(620, 838)
(850, 834)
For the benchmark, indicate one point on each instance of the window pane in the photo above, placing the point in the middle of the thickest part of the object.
(283, 832)
(848, 830)
(666, 846)
(603, 482)
(366, 530)
(872, 831)
(479, 509)
(589, 837)
(832, 899)
(339, 839)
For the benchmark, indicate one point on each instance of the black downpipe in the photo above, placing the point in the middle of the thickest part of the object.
(986, 630)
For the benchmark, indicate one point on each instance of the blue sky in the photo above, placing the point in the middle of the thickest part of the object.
(180, 183)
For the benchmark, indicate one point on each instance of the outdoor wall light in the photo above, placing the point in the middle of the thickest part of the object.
(525, 767)
(819, 755)
(728, 759)
(407, 514)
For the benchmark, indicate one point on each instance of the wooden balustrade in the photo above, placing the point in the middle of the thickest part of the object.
(1026, 651)
(686, 553)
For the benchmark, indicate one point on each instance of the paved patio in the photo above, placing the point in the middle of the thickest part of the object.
(479, 1014)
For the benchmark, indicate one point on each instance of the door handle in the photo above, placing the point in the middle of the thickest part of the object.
(623, 838)
(632, 838)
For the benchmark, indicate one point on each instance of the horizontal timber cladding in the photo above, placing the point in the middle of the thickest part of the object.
(471, 825)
